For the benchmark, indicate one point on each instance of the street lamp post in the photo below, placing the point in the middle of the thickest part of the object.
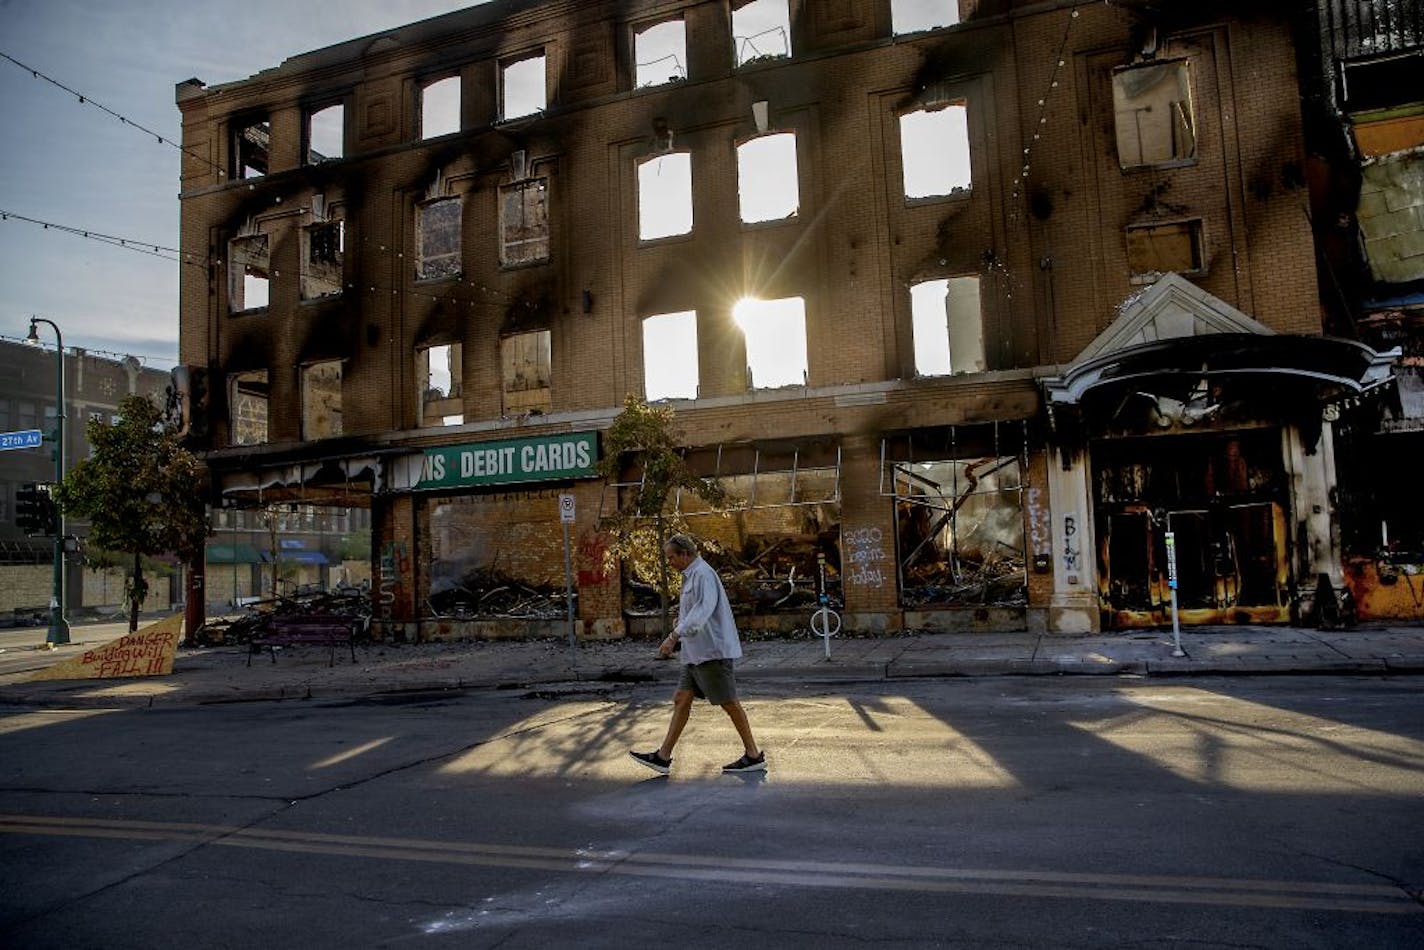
(58, 626)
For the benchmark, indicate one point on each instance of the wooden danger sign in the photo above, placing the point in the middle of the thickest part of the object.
(149, 652)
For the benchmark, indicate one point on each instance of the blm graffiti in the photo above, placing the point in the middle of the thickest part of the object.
(864, 557)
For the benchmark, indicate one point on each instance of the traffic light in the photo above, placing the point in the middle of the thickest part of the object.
(27, 508)
(35, 510)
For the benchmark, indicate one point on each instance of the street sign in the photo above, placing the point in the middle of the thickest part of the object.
(1172, 560)
(23, 439)
(566, 509)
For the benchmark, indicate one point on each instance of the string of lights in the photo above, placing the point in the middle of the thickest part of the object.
(85, 100)
(1042, 118)
(128, 244)
(144, 358)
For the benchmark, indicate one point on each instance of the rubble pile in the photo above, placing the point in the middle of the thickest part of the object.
(992, 581)
(353, 602)
(489, 594)
(770, 574)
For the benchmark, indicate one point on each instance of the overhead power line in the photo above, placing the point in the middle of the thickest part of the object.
(85, 100)
(128, 244)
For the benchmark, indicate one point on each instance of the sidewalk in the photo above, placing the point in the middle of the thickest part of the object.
(221, 674)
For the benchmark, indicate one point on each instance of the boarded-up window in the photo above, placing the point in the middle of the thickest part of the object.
(321, 400)
(323, 245)
(249, 271)
(439, 368)
(1157, 249)
(524, 222)
(247, 402)
(1152, 109)
(527, 359)
(437, 237)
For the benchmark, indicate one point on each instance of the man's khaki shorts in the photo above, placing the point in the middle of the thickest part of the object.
(713, 681)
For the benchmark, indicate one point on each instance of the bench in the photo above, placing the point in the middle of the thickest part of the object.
(305, 630)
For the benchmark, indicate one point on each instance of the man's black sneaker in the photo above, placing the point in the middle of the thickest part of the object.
(747, 764)
(653, 761)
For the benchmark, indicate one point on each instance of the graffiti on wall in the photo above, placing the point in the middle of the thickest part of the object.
(1072, 545)
(395, 568)
(1040, 530)
(864, 557)
(592, 551)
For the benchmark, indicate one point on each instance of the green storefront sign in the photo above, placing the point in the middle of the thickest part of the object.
(510, 461)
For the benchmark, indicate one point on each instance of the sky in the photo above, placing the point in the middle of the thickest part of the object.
(71, 164)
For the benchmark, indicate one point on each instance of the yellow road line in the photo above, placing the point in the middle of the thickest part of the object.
(1163, 889)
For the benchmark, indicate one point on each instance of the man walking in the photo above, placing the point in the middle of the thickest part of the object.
(709, 645)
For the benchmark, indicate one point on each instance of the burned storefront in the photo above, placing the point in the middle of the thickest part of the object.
(1193, 424)
(774, 534)
(472, 544)
(959, 514)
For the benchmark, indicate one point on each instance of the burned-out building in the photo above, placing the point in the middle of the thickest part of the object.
(978, 304)
(1365, 136)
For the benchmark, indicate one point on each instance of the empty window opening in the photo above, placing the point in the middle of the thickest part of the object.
(1157, 249)
(761, 30)
(524, 222)
(250, 142)
(665, 196)
(321, 400)
(440, 370)
(670, 369)
(437, 236)
(775, 332)
(934, 150)
(1152, 110)
(440, 107)
(948, 327)
(766, 178)
(247, 401)
(249, 272)
(323, 248)
(326, 134)
(527, 359)
(914, 16)
(523, 88)
(660, 54)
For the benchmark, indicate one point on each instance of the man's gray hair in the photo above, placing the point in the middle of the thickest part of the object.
(683, 544)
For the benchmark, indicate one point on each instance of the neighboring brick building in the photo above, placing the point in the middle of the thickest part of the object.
(93, 386)
(981, 253)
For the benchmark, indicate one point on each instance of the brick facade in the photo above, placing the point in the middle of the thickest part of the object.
(1043, 229)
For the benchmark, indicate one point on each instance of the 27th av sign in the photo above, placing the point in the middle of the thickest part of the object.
(23, 439)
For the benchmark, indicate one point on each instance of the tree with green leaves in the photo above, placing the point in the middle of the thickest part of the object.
(644, 439)
(141, 491)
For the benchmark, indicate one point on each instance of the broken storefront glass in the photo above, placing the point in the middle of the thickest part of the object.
(960, 532)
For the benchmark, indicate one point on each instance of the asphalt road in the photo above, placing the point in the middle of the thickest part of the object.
(1276, 812)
